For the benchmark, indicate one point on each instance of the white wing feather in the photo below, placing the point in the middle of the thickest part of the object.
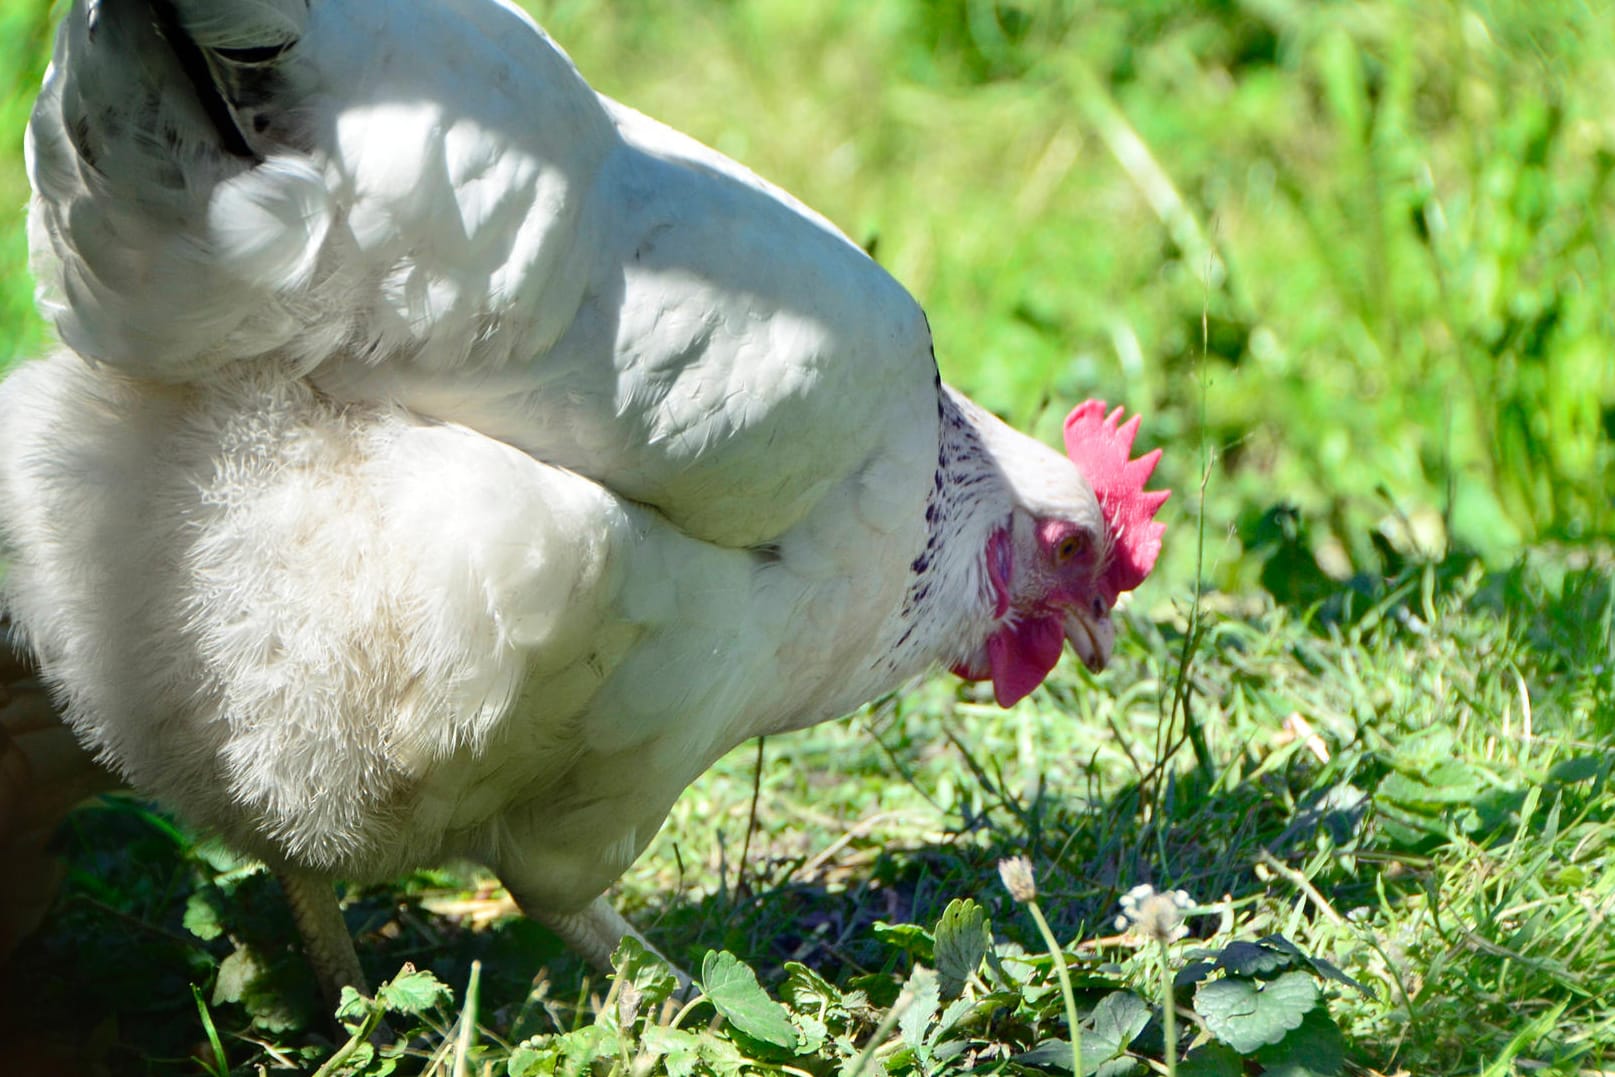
(469, 230)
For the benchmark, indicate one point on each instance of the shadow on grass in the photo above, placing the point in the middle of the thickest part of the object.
(106, 985)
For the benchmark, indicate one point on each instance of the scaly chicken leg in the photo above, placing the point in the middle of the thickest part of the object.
(326, 941)
(593, 932)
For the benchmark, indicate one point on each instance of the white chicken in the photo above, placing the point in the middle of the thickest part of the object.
(446, 461)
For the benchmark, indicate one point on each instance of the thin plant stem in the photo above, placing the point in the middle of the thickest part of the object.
(1169, 1014)
(1058, 955)
(367, 1027)
(466, 1035)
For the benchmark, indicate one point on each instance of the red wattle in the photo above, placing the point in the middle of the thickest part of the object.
(1022, 655)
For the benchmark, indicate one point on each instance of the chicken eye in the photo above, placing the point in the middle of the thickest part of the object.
(1068, 548)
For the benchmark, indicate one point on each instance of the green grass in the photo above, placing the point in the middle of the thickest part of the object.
(1353, 263)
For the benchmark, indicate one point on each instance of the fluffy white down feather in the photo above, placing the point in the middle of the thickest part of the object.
(463, 469)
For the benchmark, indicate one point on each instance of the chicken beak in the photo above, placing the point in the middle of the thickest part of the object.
(1092, 636)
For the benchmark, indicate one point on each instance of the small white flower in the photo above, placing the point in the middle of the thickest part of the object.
(1157, 915)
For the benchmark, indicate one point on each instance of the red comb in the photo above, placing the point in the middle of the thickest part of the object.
(1098, 444)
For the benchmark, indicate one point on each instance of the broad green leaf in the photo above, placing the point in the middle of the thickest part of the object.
(1030, 975)
(1426, 748)
(723, 1058)
(912, 939)
(1102, 1055)
(413, 992)
(903, 1061)
(923, 993)
(1248, 959)
(1406, 829)
(1212, 1059)
(805, 989)
(648, 973)
(572, 1053)
(1248, 1014)
(237, 974)
(274, 1009)
(244, 978)
(1323, 968)
(1117, 1021)
(202, 916)
(734, 992)
(1121, 1066)
(1192, 973)
(856, 999)
(678, 1050)
(1569, 877)
(1052, 1052)
(962, 937)
(1314, 1049)
(352, 1006)
(955, 1012)
(1280, 944)
(1000, 975)
(811, 1032)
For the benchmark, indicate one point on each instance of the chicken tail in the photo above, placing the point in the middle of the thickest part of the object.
(167, 213)
(43, 775)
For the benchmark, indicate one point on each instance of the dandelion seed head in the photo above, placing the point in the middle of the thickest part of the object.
(1156, 914)
(1017, 875)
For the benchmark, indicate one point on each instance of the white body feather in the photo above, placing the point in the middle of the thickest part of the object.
(466, 470)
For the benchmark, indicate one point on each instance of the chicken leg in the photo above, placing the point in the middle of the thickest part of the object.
(593, 932)
(326, 941)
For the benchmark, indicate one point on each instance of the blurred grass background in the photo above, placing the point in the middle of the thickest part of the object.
(1374, 239)
(1359, 253)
